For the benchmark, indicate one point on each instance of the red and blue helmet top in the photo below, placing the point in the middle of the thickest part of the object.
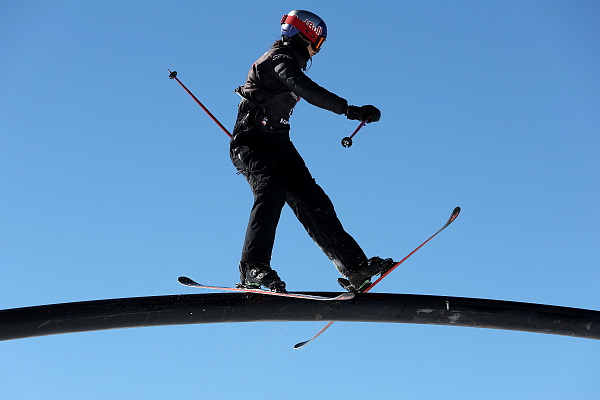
(306, 24)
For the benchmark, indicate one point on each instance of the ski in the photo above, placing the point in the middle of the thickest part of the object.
(453, 216)
(184, 280)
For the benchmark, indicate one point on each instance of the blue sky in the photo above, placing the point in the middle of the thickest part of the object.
(114, 182)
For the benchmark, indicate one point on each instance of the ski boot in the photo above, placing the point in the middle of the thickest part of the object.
(358, 281)
(253, 275)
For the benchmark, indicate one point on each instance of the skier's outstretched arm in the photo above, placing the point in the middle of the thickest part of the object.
(292, 76)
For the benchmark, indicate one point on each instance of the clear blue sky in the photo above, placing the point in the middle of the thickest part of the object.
(113, 182)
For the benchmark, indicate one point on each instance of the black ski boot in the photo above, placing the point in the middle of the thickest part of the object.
(358, 281)
(253, 275)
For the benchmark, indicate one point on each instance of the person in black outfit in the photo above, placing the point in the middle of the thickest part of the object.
(261, 150)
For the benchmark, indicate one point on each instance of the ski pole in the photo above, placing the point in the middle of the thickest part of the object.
(347, 141)
(173, 75)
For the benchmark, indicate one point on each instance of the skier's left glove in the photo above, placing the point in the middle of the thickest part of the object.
(364, 112)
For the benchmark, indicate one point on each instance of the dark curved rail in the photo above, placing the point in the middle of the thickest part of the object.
(233, 307)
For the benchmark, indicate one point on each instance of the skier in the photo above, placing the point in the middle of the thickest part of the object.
(262, 152)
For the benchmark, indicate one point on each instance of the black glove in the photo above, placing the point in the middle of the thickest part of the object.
(364, 112)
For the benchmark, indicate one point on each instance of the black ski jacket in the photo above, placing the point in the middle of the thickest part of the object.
(276, 83)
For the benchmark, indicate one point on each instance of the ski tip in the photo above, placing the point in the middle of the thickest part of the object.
(345, 296)
(454, 215)
(301, 345)
(184, 280)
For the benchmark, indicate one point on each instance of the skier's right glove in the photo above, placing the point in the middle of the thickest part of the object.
(364, 112)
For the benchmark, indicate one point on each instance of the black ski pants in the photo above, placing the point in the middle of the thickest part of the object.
(278, 175)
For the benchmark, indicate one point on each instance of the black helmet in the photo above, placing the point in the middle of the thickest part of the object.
(307, 25)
